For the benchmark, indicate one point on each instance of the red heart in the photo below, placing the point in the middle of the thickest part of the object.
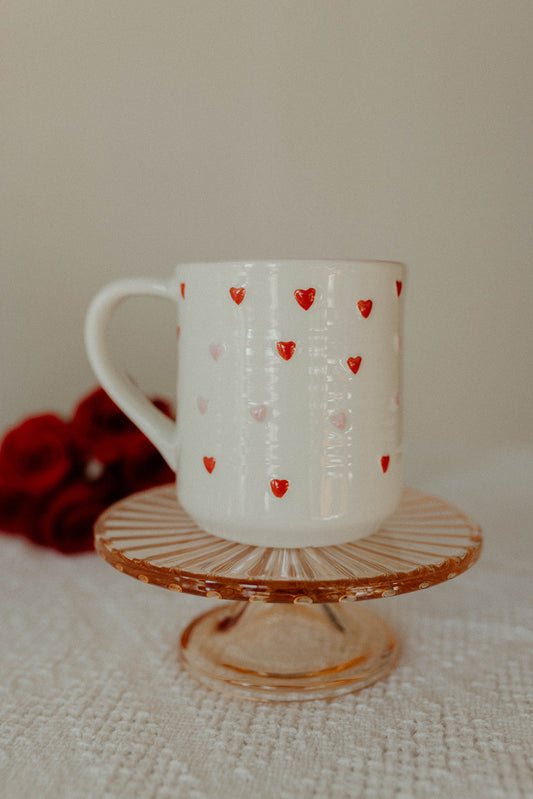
(279, 487)
(209, 464)
(354, 363)
(286, 349)
(237, 295)
(385, 463)
(182, 289)
(398, 287)
(365, 306)
(305, 297)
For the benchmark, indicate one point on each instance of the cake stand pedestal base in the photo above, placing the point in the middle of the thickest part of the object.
(288, 652)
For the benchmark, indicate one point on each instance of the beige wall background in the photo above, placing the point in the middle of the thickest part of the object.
(140, 134)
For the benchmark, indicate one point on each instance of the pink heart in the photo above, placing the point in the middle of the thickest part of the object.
(338, 419)
(202, 403)
(216, 351)
(258, 412)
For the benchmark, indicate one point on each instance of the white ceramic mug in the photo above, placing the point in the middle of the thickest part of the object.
(288, 428)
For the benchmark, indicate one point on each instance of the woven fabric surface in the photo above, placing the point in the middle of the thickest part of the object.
(95, 704)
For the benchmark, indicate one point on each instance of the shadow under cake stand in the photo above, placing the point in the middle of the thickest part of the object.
(292, 630)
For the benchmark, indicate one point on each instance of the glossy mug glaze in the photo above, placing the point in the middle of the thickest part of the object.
(288, 429)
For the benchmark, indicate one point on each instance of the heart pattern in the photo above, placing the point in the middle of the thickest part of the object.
(286, 349)
(354, 363)
(258, 412)
(202, 404)
(279, 487)
(305, 297)
(237, 294)
(216, 350)
(209, 464)
(182, 289)
(338, 420)
(365, 306)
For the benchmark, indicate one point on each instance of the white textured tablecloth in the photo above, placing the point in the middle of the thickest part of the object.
(94, 703)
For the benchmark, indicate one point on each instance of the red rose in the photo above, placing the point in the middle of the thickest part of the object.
(17, 511)
(66, 523)
(57, 477)
(37, 455)
(106, 432)
(146, 472)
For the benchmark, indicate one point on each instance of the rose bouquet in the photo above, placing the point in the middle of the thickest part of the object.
(57, 475)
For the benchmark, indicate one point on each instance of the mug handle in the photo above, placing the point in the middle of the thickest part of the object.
(152, 422)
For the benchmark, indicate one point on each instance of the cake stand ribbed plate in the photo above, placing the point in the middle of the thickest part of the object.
(150, 537)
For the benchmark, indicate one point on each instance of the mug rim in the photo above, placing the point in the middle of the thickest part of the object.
(325, 262)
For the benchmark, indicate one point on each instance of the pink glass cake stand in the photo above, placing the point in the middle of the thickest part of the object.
(294, 628)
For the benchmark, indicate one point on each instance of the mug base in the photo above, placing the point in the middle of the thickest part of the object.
(292, 539)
